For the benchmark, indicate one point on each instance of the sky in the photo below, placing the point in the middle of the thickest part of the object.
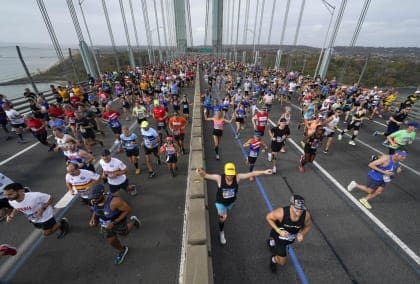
(388, 23)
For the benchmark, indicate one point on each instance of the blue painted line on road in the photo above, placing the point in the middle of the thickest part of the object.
(293, 257)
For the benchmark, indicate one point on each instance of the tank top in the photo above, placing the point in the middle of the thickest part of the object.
(254, 147)
(262, 120)
(392, 166)
(226, 194)
(218, 124)
(290, 226)
(104, 212)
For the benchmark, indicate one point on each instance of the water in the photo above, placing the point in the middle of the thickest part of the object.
(38, 58)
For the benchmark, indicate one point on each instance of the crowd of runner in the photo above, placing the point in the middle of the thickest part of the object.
(236, 94)
(146, 113)
(246, 94)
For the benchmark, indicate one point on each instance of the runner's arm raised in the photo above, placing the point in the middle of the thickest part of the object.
(241, 176)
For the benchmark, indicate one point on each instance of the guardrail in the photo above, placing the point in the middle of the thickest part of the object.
(21, 104)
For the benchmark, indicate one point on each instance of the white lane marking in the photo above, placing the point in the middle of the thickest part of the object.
(370, 147)
(372, 217)
(65, 200)
(18, 154)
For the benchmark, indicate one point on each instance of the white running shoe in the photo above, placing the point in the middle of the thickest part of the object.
(340, 137)
(274, 170)
(222, 238)
(352, 185)
(351, 142)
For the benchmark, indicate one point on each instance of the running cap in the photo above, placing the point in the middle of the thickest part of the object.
(283, 119)
(401, 153)
(413, 124)
(144, 124)
(230, 169)
(156, 103)
(96, 191)
(298, 202)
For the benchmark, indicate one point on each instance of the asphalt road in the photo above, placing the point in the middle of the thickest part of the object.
(83, 255)
(344, 245)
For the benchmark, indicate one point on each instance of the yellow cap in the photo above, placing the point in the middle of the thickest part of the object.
(230, 169)
(144, 124)
(156, 103)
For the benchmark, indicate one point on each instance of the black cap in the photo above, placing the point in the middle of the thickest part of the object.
(106, 152)
(96, 191)
(298, 202)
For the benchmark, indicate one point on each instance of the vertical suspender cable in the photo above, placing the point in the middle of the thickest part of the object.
(111, 36)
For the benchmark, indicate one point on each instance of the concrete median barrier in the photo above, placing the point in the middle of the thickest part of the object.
(196, 266)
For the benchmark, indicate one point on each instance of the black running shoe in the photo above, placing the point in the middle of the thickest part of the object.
(65, 228)
(273, 266)
(152, 174)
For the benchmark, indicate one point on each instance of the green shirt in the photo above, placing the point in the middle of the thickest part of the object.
(403, 137)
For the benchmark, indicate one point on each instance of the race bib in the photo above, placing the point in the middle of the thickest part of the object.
(228, 193)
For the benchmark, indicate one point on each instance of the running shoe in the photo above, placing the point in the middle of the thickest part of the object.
(301, 169)
(273, 266)
(152, 174)
(302, 159)
(365, 203)
(64, 229)
(375, 133)
(325, 151)
(137, 171)
(133, 191)
(351, 142)
(274, 170)
(217, 157)
(222, 238)
(8, 249)
(340, 137)
(373, 158)
(385, 143)
(120, 257)
(136, 221)
(236, 136)
(352, 185)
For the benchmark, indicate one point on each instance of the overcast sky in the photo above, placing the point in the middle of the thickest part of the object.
(388, 23)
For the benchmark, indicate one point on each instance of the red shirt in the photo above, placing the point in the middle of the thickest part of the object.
(36, 125)
(55, 111)
(107, 114)
(159, 113)
(262, 120)
(70, 116)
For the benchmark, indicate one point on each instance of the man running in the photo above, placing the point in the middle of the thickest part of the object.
(111, 213)
(151, 142)
(287, 224)
(37, 208)
(278, 136)
(114, 171)
(129, 143)
(381, 172)
(177, 125)
(227, 189)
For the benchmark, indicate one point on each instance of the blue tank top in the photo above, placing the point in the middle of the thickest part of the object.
(392, 166)
(104, 213)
